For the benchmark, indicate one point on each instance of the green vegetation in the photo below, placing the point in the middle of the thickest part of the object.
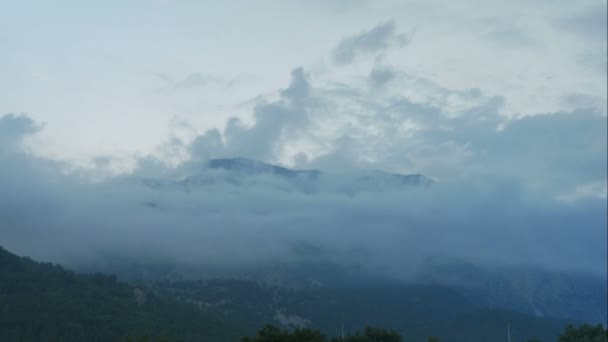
(271, 333)
(44, 302)
(584, 333)
(417, 312)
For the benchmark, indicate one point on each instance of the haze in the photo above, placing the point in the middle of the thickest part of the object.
(501, 105)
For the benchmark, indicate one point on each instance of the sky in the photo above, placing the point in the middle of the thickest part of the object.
(502, 104)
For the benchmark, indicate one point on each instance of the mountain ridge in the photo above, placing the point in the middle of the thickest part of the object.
(244, 171)
(42, 301)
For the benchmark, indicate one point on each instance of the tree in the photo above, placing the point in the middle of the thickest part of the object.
(371, 334)
(308, 335)
(584, 333)
(271, 333)
(433, 339)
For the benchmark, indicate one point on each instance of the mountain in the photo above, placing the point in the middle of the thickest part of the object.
(415, 311)
(44, 302)
(570, 295)
(535, 292)
(249, 167)
(245, 172)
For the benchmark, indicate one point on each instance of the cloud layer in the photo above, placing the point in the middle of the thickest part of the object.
(375, 40)
(216, 218)
(511, 187)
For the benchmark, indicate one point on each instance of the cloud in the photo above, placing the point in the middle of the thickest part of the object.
(590, 23)
(274, 121)
(578, 100)
(192, 81)
(375, 40)
(338, 6)
(442, 133)
(446, 133)
(509, 191)
(207, 145)
(589, 26)
(235, 222)
(381, 76)
(594, 189)
(511, 36)
(13, 128)
(299, 89)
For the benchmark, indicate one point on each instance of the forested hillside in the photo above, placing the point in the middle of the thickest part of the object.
(417, 312)
(44, 302)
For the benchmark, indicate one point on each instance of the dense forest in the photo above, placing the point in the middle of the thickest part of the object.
(45, 302)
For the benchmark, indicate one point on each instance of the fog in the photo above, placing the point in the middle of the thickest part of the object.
(237, 220)
(514, 172)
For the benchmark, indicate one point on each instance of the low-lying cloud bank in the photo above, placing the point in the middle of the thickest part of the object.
(195, 215)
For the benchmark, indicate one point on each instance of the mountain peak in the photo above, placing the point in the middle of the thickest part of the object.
(256, 167)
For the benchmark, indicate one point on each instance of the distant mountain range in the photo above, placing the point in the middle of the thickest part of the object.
(241, 171)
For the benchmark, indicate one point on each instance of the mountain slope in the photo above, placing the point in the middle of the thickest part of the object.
(537, 292)
(42, 302)
(417, 312)
(253, 167)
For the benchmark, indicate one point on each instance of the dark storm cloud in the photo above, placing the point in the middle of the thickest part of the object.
(375, 40)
